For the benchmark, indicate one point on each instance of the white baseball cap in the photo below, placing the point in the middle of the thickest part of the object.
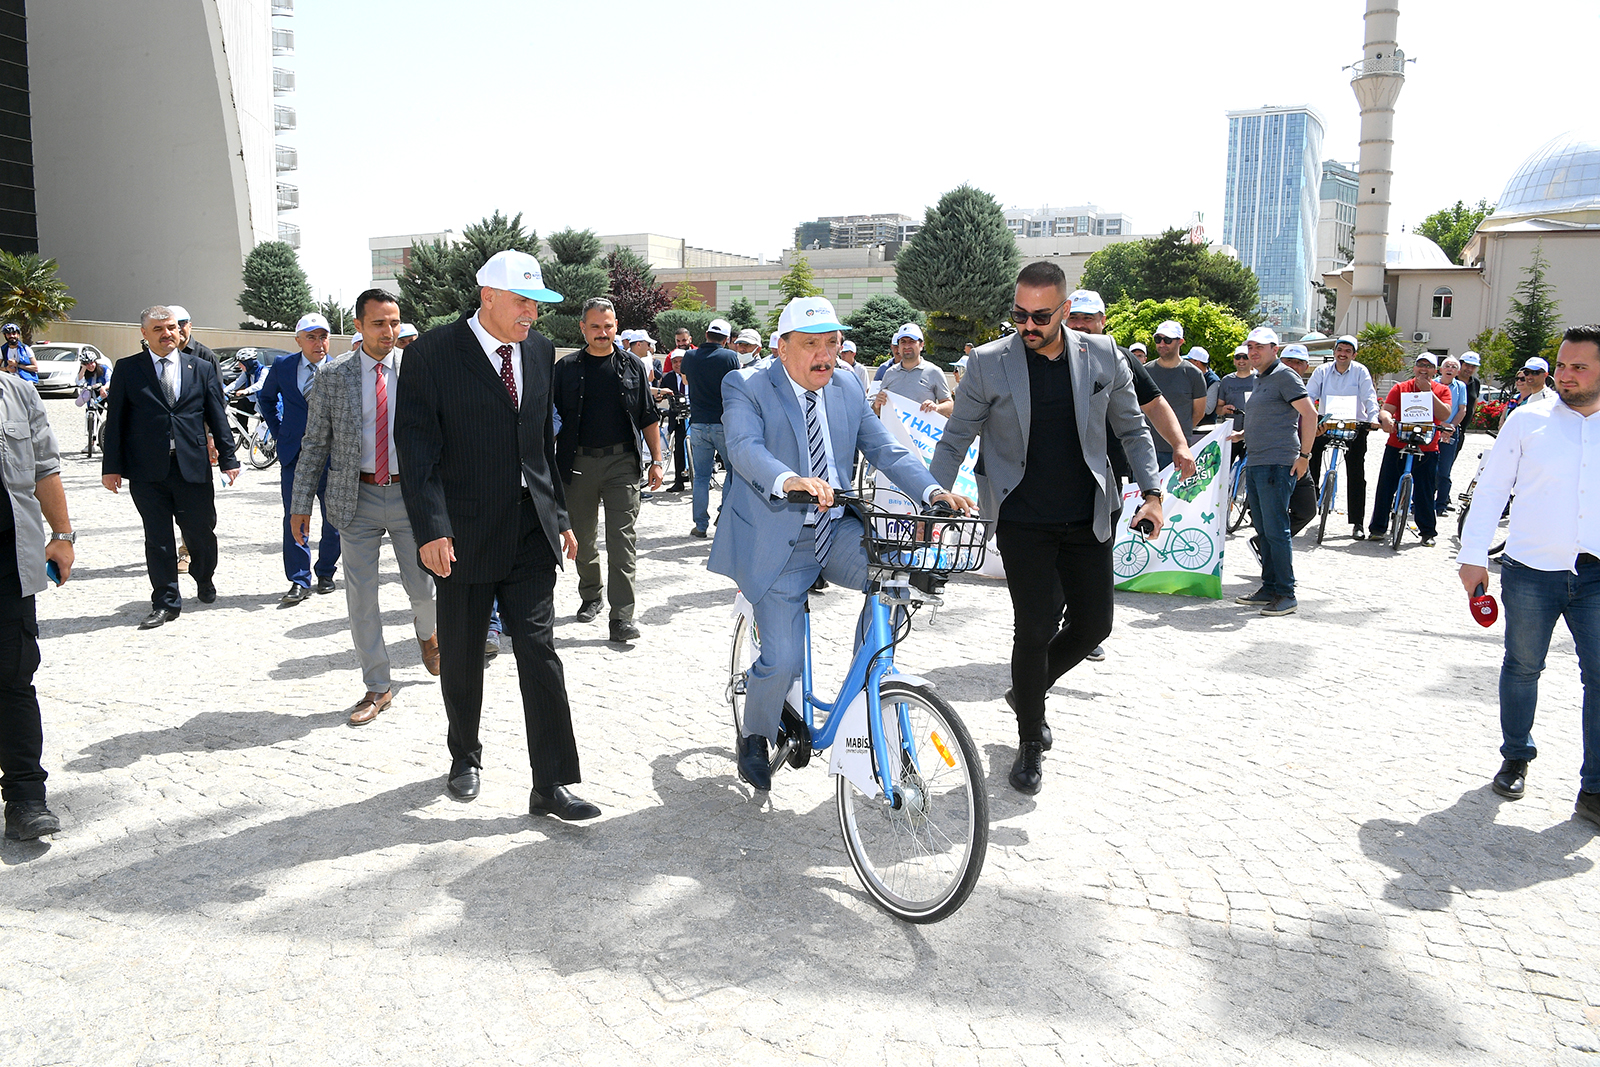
(1471, 359)
(1263, 335)
(1086, 302)
(719, 326)
(910, 329)
(1199, 355)
(1347, 340)
(809, 314)
(1429, 357)
(355, 339)
(962, 362)
(315, 321)
(1241, 351)
(749, 337)
(179, 313)
(848, 346)
(517, 272)
(1537, 363)
(626, 337)
(406, 330)
(772, 342)
(1139, 346)
(1295, 352)
(1170, 328)
(642, 335)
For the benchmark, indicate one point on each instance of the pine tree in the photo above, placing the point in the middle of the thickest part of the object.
(30, 293)
(961, 269)
(742, 316)
(441, 283)
(577, 276)
(800, 281)
(1532, 323)
(341, 320)
(687, 298)
(874, 323)
(276, 292)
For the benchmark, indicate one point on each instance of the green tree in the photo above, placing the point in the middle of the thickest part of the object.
(1532, 323)
(1452, 227)
(577, 276)
(687, 298)
(798, 282)
(874, 323)
(30, 293)
(695, 321)
(1212, 326)
(340, 318)
(1494, 349)
(276, 292)
(441, 282)
(1170, 267)
(633, 290)
(1328, 316)
(1381, 350)
(961, 269)
(742, 316)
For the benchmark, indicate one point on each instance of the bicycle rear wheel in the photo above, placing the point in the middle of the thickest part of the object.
(1402, 512)
(1330, 489)
(920, 863)
(745, 650)
(1238, 507)
(90, 425)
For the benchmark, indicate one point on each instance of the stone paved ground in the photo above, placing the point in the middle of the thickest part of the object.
(1259, 840)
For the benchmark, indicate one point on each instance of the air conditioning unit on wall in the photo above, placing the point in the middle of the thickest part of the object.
(1420, 337)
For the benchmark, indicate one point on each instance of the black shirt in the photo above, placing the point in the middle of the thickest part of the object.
(1145, 390)
(605, 421)
(1056, 485)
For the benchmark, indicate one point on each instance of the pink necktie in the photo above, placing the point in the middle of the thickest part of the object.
(507, 375)
(380, 430)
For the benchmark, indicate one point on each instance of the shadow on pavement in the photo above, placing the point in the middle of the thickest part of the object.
(1463, 848)
(210, 731)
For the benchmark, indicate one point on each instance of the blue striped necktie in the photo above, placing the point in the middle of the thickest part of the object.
(819, 470)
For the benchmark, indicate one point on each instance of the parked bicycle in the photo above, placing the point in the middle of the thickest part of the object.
(1340, 434)
(912, 803)
(1238, 504)
(1414, 437)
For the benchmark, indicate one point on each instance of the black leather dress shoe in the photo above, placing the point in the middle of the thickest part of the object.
(207, 592)
(1027, 774)
(296, 594)
(1044, 727)
(27, 820)
(624, 630)
(1511, 779)
(158, 617)
(588, 611)
(560, 802)
(324, 585)
(754, 766)
(463, 784)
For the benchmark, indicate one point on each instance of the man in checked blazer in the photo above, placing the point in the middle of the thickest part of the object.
(1041, 401)
(477, 459)
(350, 428)
(159, 445)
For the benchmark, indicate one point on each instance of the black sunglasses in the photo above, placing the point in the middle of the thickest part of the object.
(1166, 340)
(1040, 318)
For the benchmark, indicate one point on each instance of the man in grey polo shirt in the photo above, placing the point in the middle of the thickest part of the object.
(1180, 382)
(913, 378)
(1279, 424)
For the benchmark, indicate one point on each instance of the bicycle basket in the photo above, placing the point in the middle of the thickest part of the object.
(936, 543)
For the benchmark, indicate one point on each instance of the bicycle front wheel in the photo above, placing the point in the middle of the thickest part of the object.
(1402, 512)
(89, 425)
(1330, 487)
(921, 862)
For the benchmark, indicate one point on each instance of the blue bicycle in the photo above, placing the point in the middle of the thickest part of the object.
(1238, 498)
(912, 804)
(1414, 437)
(1340, 434)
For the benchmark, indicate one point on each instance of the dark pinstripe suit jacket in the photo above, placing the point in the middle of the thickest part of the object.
(465, 449)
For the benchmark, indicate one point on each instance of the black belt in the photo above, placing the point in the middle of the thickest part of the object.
(1584, 557)
(609, 450)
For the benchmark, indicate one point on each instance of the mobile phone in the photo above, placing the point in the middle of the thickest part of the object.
(52, 572)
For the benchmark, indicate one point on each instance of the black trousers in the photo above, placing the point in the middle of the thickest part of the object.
(527, 615)
(1048, 567)
(1302, 504)
(21, 727)
(1354, 476)
(678, 428)
(194, 506)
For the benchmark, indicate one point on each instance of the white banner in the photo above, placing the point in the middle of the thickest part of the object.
(920, 431)
(1186, 556)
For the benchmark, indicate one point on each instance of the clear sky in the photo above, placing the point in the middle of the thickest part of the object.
(728, 123)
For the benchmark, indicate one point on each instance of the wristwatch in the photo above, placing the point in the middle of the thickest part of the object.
(1148, 493)
(1305, 455)
(655, 463)
(70, 537)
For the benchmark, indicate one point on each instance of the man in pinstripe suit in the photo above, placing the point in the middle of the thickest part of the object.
(476, 436)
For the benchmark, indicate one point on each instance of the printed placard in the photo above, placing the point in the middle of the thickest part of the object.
(1416, 409)
(1339, 408)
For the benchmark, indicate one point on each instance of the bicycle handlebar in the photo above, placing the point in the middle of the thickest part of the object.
(842, 498)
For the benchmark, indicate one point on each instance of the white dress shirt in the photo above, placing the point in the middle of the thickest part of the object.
(155, 361)
(1548, 458)
(369, 411)
(805, 445)
(1357, 382)
(490, 344)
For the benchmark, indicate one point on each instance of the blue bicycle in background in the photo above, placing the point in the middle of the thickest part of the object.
(912, 804)
(1340, 434)
(1414, 437)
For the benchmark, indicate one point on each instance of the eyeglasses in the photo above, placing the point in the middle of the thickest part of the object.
(1240, 359)
(1040, 318)
(1166, 340)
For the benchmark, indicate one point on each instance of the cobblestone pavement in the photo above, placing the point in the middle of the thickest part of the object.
(1259, 839)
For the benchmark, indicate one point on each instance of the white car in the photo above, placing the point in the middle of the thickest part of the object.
(58, 366)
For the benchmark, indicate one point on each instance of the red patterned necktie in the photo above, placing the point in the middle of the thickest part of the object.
(380, 429)
(506, 374)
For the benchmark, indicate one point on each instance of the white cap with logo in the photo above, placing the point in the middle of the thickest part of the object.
(719, 327)
(406, 330)
(1138, 346)
(1471, 359)
(1086, 302)
(516, 272)
(809, 314)
(179, 312)
(848, 346)
(772, 342)
(749, 337)
(312, 321)
(1428, 358)
(1199, 355)
(1537, 363)
(910, 329)
(1347, 340)
(1171, 328)
(1296, 352)
(1262, 335)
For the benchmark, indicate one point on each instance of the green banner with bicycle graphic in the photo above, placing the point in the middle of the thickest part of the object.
(1185, 558)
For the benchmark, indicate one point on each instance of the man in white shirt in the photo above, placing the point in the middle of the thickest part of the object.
(1345, 377)
(1547, 458)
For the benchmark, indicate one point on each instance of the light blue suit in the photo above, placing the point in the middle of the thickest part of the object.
(763, 544)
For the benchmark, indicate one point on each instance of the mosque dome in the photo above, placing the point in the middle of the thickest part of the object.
(1413, 250)
(1562, 176)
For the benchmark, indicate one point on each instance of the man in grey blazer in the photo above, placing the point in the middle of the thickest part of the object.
(350, 427)
(794, 424)
(1043, 399)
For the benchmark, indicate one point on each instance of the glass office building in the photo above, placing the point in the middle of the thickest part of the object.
(1270, 209)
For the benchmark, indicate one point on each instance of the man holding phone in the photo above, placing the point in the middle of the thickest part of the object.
(33, 497)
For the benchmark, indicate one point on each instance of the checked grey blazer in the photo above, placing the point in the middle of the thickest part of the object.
(333, 433)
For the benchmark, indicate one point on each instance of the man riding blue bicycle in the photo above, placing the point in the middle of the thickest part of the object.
(1426, 445)
(795, 425)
